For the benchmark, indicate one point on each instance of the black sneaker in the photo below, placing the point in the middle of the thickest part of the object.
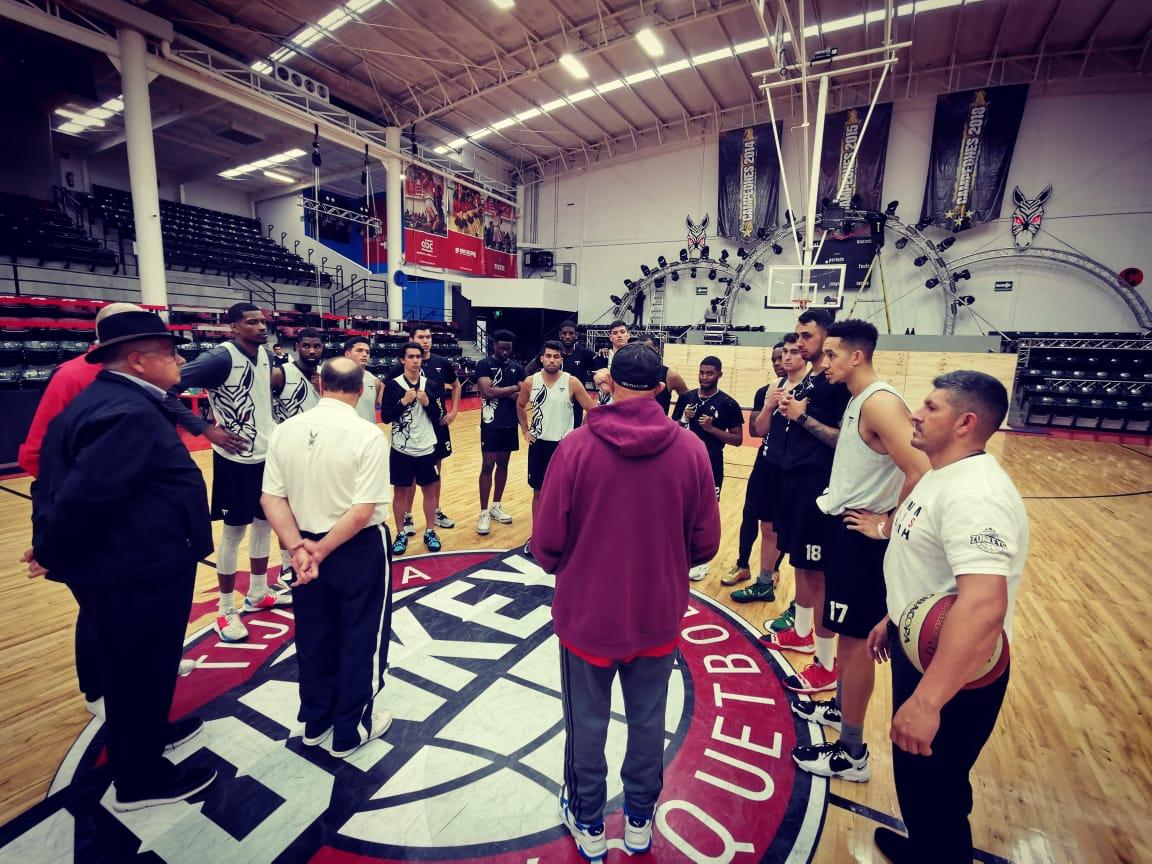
(178, 785)
(184, 729)
(832, 760)
(825, 713)
(895, 847)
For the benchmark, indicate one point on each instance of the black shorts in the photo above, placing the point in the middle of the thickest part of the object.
(763, 494)
(499, 440)
(799, 523)
(236, 490)
(539, 455)
(717, 463)
(406, 470)
(443, 443)
(855, 598)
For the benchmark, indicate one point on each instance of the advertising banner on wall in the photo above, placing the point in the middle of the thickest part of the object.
(749, 181)
(973, 137)
(466, 231)
(499, 238)
(425, 218)
(842, 138)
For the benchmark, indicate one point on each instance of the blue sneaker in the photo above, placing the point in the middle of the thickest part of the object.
(431, 541)
(400, 545)
(591, 841)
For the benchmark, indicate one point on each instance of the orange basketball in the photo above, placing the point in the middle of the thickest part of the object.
(920, 626)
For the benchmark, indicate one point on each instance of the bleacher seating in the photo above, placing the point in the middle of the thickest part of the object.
(39, 231)
(208, 241)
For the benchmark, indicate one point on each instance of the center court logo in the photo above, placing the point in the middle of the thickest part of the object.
(471, 767)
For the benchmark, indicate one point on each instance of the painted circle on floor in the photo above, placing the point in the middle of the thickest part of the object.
(471, 767)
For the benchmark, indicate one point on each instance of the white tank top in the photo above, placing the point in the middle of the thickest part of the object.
(298, 395)
(550, 408)
(243, 404)
(366, 407)
(862, 479)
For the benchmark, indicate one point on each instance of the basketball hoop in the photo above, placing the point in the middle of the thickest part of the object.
(799, 306)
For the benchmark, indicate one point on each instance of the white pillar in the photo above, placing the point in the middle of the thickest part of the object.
(394, 224)
(142, 167)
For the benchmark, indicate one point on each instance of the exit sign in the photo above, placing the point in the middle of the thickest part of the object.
(1005, 285)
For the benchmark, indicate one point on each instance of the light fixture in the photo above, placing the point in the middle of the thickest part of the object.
(946, 244)
(923, 223)
(581, 96)
(777, 249)
(741, 253)
(116, 104)
(662, 261)
(575, 68)
(650, 42)
(669, 68)
(610, 86)
(723, 256)
(854, 202)
(921, 260)
(712, 273)
(503, 124)
(267, 162)
(70, 128)
(891, 208)
(504, 4)
(932, 283)
(457, 144)
(529, 114)
(646, 270)
(683, 254)
(640, 77)
(280, 178)
(692, 273)
(966, 299)
(711, 56)
(553, 105)
(101, 113)
(616, 301)
(759, 266)
(675, 276)
(825, 55)
(440, 151)
(704, 250)
(902, 242)
(628, 284)
(479, 134)
(962, 275)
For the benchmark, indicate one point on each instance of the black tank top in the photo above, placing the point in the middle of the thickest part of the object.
(664, 398)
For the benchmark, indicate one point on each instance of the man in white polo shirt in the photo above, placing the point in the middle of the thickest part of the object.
(962, 530)
(326, 495)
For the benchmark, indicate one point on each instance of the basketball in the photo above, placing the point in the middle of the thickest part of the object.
(920, 626)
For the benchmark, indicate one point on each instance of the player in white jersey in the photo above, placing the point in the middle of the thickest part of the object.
(357, 348)
(544, 409)
(873, 468)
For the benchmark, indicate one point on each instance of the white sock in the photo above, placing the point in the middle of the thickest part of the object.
(258, 585)
(826, 651)
(495, 505)
(227, 602)
(803, 620)
(407, 516)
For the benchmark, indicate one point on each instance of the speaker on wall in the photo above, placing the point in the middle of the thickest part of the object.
(300, 82)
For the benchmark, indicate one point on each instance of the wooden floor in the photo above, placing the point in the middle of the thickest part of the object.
(1067, 775)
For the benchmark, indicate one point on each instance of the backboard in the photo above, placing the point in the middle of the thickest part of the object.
(820, 285)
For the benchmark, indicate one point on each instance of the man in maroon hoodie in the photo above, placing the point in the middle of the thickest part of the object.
(618, 605)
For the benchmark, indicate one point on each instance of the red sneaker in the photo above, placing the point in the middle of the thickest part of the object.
(814, 679)
(787, 640)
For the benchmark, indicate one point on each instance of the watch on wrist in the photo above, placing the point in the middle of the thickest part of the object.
(802, 419)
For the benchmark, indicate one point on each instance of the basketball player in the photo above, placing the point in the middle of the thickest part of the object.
(618, 337)
(608, 570)
(551, 393)
(434, 366)
(579, 362)
(358, 348)
(813, 410)
(411, 406)
(962, 530)
(240, 381)
(716, 419)
(326, 493)
(873, 468)
(673, 381)
(498, 378)
(756, 519)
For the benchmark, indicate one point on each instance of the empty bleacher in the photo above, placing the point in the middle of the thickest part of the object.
(38, 231)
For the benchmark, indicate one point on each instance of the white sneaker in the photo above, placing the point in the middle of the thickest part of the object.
(637, 834)
(697, 574)
(591, 840)
(484, 523)
(267, 600)
(381, 720)
(186, 667)
(499, 515)
(96, 709)
(318, 738)
(229, 627)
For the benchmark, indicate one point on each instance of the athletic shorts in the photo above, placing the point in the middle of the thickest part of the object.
(539, 455)
(236, 488)
(855, 597)
(762, 498)
(443, 443)
(799, 523)
(499, 440)
(406, 470)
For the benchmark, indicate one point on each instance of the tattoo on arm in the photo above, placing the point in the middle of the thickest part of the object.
(826, 435)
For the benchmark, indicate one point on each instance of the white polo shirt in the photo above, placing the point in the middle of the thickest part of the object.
(324, 461)
(965, 518)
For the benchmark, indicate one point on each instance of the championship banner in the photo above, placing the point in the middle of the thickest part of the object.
(749, 181)
(973, 137)
(499, 238)
(466, 230)
(842, 138)
(425, 222)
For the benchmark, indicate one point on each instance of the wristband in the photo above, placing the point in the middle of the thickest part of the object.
(802, 419)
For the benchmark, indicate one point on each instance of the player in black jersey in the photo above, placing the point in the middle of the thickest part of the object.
(579, 362)
(498, 379)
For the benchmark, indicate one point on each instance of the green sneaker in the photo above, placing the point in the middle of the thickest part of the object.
(786, 620)
(756, 592)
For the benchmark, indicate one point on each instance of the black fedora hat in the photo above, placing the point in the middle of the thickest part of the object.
(129, 327)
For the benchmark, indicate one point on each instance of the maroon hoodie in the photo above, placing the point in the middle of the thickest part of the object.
(628, 506)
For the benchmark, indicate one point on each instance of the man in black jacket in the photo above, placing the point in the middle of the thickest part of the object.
(120, 515)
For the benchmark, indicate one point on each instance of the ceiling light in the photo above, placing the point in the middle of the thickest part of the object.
(282, 55)
(68, 112)
(85, 120)
(360, 5)
(457, 144)
(553, 105)
(480, 133)
(669, 68)
(575, 68)
(101, 113)
(710, 56)
(503, 124)
(70, 128)
(504, 4)
(646, 75)
(440, 151)
(334, 19)
(529, 114)
(282, 178)
(650, 42)
(307, 36)
(746, 47)
(295, 154)
(581, 96)
(261, 67)
(115, 104)
(263, 163)
(244, 169)
(609, 86)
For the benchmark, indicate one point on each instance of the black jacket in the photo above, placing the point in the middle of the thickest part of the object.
(119, 497)
(394, 390)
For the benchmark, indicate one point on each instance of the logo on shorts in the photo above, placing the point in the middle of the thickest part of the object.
(472, 765)
(988, 541)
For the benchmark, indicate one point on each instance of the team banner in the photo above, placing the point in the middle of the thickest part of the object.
(749, 181)
(842, 138)
(499, 238)
(425, 221)
(466, 231)
(973, 137)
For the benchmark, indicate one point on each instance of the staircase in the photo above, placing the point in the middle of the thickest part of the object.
(656, 307)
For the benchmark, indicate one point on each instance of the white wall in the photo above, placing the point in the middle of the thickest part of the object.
(519, 293)
(1093, 147)
(287, 215)
(223, 196)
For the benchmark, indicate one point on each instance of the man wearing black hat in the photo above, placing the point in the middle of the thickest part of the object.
(120, 515)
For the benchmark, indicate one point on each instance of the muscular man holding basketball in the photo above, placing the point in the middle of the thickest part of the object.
(962, 530)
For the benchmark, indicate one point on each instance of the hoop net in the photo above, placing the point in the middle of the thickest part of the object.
(800, 305)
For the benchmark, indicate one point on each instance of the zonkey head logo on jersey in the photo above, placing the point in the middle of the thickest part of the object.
(471, 767)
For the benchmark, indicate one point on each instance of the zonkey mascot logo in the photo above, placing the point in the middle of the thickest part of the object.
(471, 767)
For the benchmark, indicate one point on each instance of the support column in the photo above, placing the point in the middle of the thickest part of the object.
(142, 166)
(394, 224)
